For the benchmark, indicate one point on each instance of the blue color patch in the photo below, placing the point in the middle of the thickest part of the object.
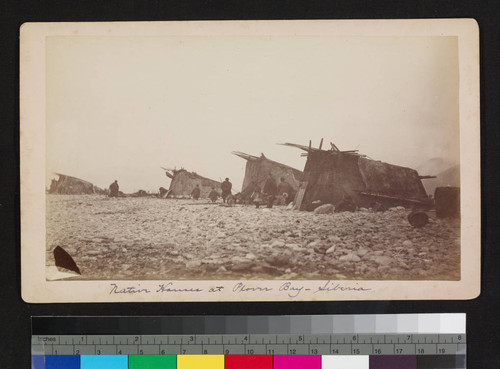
(104, 362)
(38, 362)
(55, 362)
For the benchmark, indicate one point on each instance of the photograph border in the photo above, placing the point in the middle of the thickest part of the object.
(36, 289)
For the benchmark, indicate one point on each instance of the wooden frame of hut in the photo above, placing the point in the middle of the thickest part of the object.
(258, 169)
(183, 183)
(333, 176)
(68, 185)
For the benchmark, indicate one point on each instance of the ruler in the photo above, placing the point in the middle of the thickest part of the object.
(430, 339)
(252, 344)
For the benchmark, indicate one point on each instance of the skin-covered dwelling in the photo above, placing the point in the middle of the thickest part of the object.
(333, 176)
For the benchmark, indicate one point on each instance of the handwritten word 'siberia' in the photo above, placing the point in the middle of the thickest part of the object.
(330, 286)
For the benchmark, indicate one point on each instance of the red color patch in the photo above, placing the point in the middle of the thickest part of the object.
(248, 362)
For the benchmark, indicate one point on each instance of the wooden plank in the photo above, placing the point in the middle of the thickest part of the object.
(299, 197)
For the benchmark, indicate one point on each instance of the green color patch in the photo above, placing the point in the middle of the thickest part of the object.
(152, 362)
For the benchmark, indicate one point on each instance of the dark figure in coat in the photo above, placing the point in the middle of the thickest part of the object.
(270, 190)
(285, 188)
(196, 192)
(113, 189)
(213, 195)
(226, 189)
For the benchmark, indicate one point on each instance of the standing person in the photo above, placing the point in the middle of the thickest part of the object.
(113, 189)
(226, 189)
(196, 192)
(256, 196)
(270, 190)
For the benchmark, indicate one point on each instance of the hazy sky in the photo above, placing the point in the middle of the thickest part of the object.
(121, 107)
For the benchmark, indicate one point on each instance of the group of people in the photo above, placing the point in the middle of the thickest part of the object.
(271, 191)
(267, 195)
(225, 186)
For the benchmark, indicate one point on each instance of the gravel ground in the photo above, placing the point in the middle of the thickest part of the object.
(151, 238)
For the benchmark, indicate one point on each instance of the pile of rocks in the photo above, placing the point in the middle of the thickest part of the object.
(151, 238)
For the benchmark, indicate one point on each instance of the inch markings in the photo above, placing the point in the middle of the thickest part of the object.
(258, 344)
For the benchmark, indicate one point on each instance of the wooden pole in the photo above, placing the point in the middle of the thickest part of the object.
(321, 144)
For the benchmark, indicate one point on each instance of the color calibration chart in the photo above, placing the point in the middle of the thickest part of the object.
(386, 341)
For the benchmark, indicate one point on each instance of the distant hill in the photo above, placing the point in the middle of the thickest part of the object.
(446, 172)
(434, 166)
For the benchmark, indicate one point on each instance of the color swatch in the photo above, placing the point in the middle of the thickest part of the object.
(248, 362)
(297, 362)
(346, 362)
(200, 361)
(103, 362)
(152, 362)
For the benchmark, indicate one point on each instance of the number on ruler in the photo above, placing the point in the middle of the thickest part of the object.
(420, 351)
(270, 351)
(441, 351)
(250, 351)
(377, 351)
(398, 351)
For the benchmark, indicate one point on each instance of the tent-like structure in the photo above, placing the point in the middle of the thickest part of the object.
(332, 176)
(258, 169)
(67, 185)
(183, 183)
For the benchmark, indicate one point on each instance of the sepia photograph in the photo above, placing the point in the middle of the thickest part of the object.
(252, 157)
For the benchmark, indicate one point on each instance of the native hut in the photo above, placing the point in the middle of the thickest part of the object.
(183, 183)
(332, 176)
(67, 185)
(257, 171)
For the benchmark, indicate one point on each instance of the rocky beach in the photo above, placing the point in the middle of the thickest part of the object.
(174, 239)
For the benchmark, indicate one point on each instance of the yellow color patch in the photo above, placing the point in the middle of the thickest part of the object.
(200, 361)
